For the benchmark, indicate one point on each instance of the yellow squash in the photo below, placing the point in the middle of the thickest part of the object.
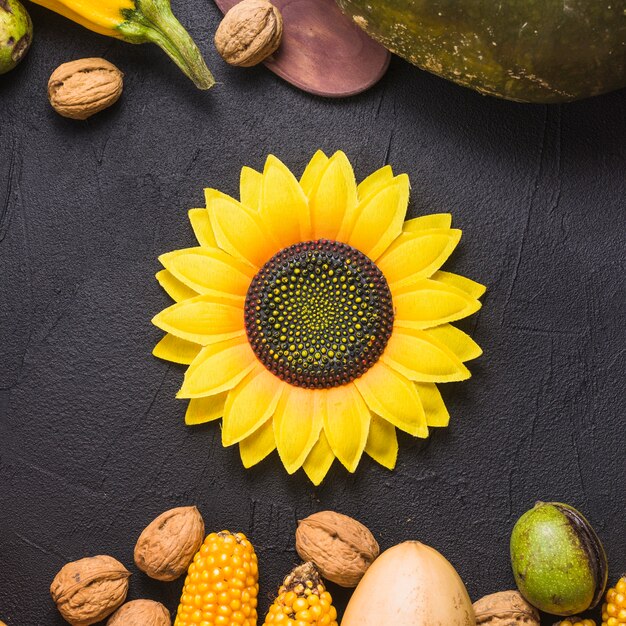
(410, 584)
(139, 21)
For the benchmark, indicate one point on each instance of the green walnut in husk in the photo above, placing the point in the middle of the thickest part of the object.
(16, 34)
(525, 50)
(558, 561)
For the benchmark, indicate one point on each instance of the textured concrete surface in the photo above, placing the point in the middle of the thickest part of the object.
(92, 443)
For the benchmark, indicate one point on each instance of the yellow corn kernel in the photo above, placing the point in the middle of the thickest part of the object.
(303, 601)
(614, 609)
(577, 621)
(222, 583)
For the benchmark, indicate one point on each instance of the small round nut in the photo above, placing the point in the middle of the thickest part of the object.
(82, 88)
(168, 544)
(90, 589)
(340, 547)
(505, 608)
(141, 613)
(249, 33)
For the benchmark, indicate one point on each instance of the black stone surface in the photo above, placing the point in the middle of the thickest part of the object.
(92, 442)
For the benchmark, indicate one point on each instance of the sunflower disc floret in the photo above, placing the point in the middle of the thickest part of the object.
(318, 314)
(314, 320)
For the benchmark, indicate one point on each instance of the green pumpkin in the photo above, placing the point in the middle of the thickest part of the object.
(524, 50)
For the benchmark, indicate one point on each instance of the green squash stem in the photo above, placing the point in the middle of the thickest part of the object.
(153, 21)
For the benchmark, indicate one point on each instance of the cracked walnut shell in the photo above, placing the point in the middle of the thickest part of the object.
(249, 33)
(505, 608)
(143, 612)
(90, 589)
(81, 88)
(167, 545)
(340, 547)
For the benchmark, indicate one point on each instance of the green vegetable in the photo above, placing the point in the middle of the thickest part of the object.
(525, 50)
(558, 561)
(16, 34)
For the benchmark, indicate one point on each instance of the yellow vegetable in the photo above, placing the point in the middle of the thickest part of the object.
(303, 600)
(222, 584)
(576, 621)
(139, 21)
(614, 610)
(410, 584)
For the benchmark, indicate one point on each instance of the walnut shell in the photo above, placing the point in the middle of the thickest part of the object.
(88, 590)
(249, 33)
(81, 88)
(167, 545)
(141, 613)
(506, 608)
(340, 547)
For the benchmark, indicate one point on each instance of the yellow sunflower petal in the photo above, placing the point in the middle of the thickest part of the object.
(176, 290)
(201, 410)
(218, 367)
(436, 412)
(418, 255)
(202, 228)
(284, 206)
(375, 182)
(238, 229)
(380, 218)
(312, 172)
(319, 461)
(250, 183)
(425, 222)
(382, 442)
(456, 340)
(470, 287)
(297, 426)
(204, 319)
(250, 404)
(177, 350)
(346, 424)
(393, 397)
(208, 269)
(332, 197)
(422, 358)
(431, 303)
(258, 445)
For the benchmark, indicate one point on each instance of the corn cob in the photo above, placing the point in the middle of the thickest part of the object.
(303, 600)
(139, 21)
(221, 587)
(614, 609)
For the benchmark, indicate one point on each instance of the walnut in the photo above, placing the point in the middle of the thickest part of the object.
(340, 547)
(141, 612)
(249, 33)
(506, 608)
(79, 89)
(167, 545)
(88, 590)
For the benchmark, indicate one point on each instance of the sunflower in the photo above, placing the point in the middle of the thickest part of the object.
(313, 318)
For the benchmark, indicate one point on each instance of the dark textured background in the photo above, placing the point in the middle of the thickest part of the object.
(93, 444)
